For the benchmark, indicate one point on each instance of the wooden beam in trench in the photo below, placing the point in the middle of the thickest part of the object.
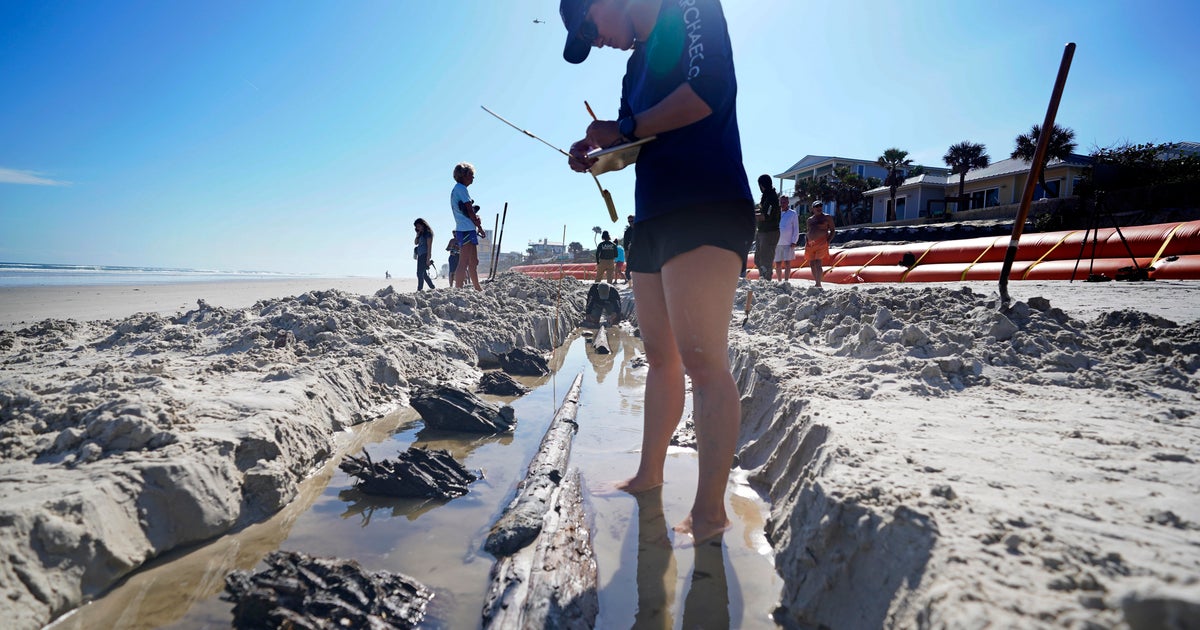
(545, 573)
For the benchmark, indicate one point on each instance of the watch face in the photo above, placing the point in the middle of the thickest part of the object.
(626, 126)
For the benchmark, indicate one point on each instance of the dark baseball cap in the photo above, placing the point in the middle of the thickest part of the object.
(574, 17)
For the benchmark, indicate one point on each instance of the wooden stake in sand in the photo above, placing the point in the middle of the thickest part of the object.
(1039, 161)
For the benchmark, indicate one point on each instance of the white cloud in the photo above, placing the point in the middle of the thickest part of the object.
(32, 178)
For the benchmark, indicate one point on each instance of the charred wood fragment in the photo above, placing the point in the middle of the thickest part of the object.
(415, 473)
(524, 362)
(498, 383)
(300, 591)
(449, 409)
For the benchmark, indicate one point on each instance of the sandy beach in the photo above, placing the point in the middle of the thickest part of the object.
(1175, 300)
(21, 306)
(931, 459)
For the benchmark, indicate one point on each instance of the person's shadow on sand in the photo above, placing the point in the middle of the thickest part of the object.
(707, 602)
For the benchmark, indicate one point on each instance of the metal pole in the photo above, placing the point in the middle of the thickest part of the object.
(500, 237)
(558, 297)
(1039, 161)
(495, 227)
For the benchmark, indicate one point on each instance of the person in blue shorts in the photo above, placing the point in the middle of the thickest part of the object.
(467, 228)
(694, 218)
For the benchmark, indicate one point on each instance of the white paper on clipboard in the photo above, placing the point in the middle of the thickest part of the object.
(618, 157)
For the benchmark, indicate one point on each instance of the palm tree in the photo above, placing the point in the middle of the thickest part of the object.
(896, 162)
(809, 190)
(575, 248)
(848, 188)
(963, 157)
(1062, 145)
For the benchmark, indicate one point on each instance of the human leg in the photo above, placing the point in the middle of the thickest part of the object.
(699, 319)
(663, 406)
(766, 249)
(469, 258)
(423, 273)
(820, 255)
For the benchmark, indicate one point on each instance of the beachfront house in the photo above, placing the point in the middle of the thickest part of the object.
(818, 166)
(997, 185)
(545, 251)
(934, 192)
(815, 166)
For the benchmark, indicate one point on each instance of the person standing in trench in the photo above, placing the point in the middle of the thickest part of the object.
(694, 219)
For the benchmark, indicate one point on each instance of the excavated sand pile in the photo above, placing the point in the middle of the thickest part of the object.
(121, 440)
(934, 462)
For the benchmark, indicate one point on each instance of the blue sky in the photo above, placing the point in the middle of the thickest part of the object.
(306, 136)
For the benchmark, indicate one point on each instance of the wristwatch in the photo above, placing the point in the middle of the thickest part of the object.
(627, 127)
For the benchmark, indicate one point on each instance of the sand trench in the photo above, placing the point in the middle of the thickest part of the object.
(930, 462)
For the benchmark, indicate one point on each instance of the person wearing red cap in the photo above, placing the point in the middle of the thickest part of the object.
(694, 218)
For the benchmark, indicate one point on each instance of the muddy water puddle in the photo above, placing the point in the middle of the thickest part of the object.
(645, 582)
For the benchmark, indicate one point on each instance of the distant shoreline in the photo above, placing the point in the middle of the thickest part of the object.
(20, 274)
(21, 306)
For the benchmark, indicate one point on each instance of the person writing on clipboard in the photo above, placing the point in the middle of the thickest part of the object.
(694, 220)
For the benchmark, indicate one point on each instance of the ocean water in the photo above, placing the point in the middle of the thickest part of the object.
(38, 275)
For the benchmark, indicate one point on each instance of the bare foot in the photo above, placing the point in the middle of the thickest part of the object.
(633, 486)
(696, 532)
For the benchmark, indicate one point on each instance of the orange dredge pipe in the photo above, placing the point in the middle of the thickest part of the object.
(1172, 249)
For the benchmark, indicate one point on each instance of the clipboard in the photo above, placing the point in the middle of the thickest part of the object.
(617, 157)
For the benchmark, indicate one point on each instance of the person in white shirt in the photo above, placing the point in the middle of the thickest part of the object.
(789, 234)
